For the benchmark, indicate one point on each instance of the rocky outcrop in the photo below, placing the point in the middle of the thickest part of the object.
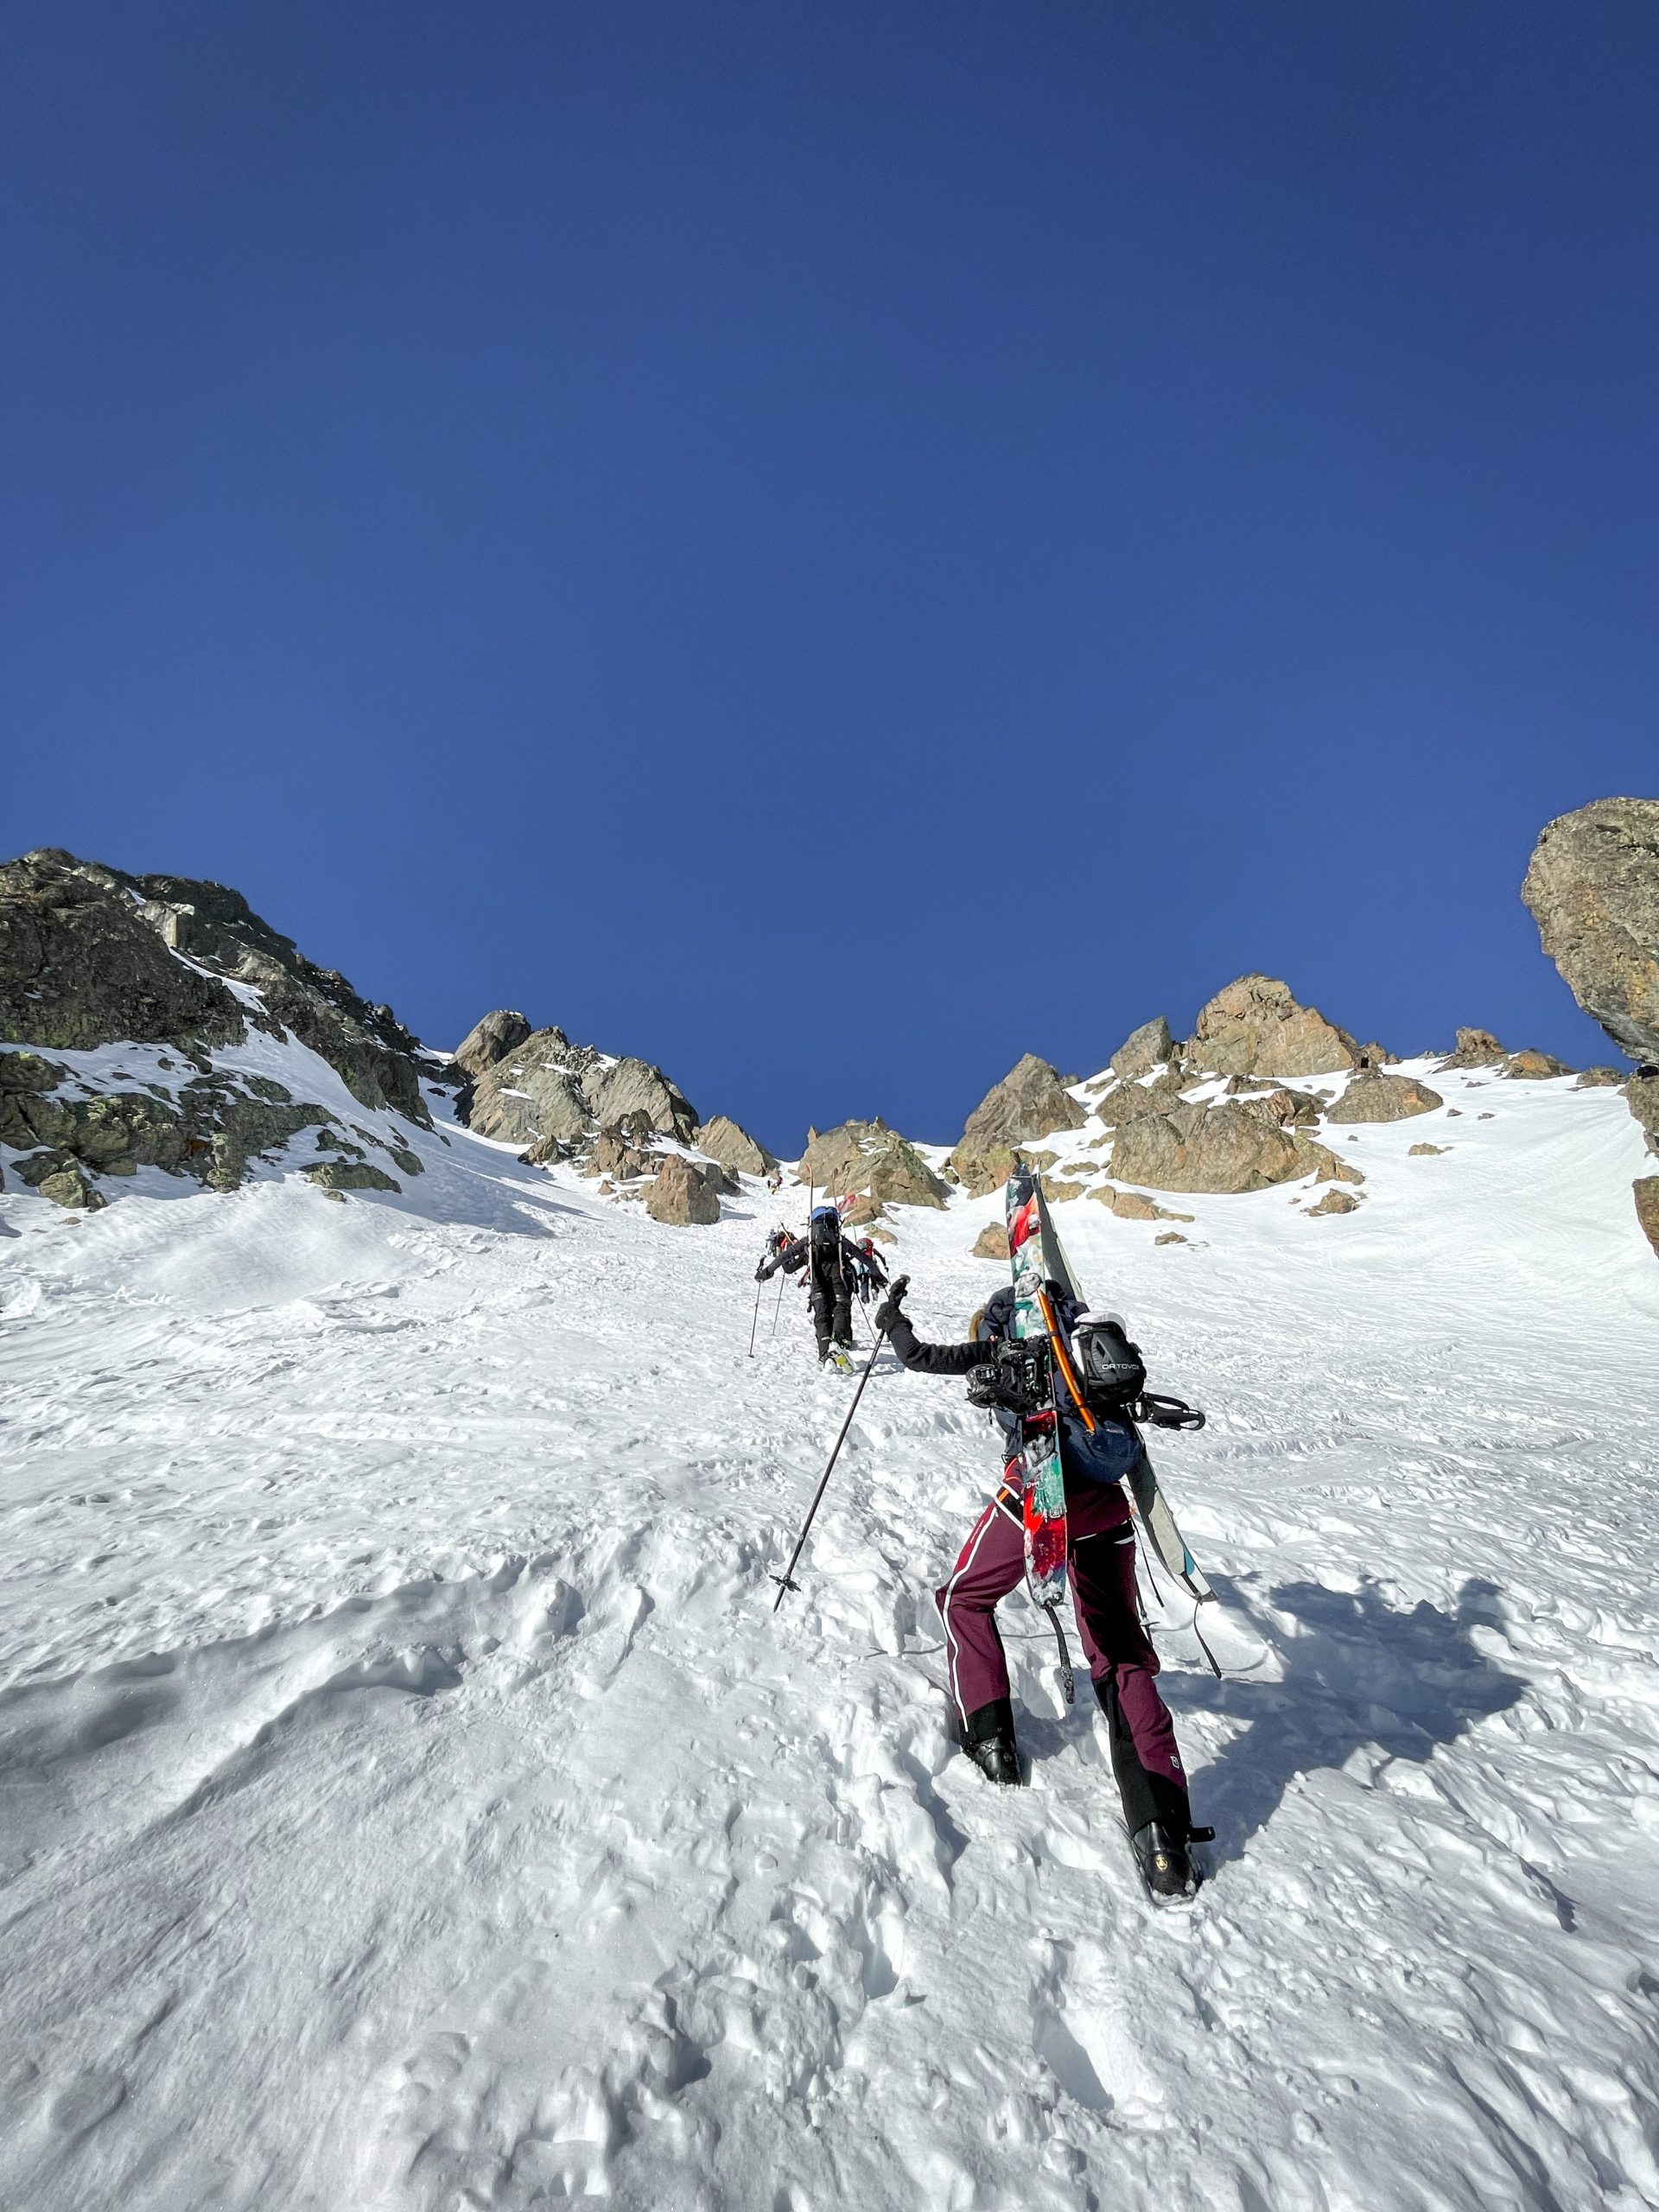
(1143, 1050)
(992, 1242)
(80, 965)
(1593, 885)
(1600, 1079)
(1223, 1148)
(556, 1098)
(208, 1126)
(91, 956)
(1641, 1094)
(1646, 1191)
(1532, 1066)
(683, 1194)
(724, 1140)
(1476, 1048)
(1030, 1102)
(490, 1040)
(1255, 1027)
(1134, 1101)
(1374, 1096)
(365, 1045)
(1324, 1165)
(1335, 1202)
(351, 1175)
(869, 1157)
(1425, 1151)
(1134, 1205)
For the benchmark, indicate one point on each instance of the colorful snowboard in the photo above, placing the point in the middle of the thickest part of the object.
(1039, 1449)
(1046, 1262)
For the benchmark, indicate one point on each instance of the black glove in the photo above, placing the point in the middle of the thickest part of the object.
(764, 1270)
(892, 1308)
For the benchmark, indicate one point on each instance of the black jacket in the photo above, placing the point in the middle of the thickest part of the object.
(829, 1261)
(1103, 1454)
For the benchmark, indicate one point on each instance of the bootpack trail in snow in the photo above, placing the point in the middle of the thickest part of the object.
(412, 1801)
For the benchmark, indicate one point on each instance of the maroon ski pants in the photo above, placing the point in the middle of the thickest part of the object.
(1123, 1665)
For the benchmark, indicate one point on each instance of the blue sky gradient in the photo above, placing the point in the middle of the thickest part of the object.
(832, 545)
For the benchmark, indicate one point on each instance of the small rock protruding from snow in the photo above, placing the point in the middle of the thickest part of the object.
(1374, 1096)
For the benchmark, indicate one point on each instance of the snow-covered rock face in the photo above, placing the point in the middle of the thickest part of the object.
(556, 1098)
(412, 1800)
(99, 971)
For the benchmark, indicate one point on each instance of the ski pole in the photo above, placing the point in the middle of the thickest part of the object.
(786, 1580)
(755, 1323)
(778, 1306)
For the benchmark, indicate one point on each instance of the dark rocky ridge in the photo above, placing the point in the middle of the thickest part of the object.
(92, 956)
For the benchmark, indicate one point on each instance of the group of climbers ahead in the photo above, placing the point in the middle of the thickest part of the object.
(837, 1272)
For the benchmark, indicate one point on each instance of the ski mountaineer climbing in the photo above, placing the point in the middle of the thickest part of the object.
(872, 1274)
(831, 1263)
(1101, 1558)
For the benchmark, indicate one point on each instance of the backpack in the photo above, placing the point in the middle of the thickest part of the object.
(825, 1233)
(1109, 1367)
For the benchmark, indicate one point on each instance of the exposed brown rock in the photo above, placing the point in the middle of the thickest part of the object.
(1029, 1102)
(1593, 885)
(1641, 1094)
(992, 1242)
(1374, 1096)
(1335, 1202)
(1476, 1048)
(1327, 1167)
(490, 1040)
(1427, 1151)
(682, 1194)
(726, 1140)
(548, 1093)
(1132, 1101)
(1533, 1066)
(1646, 1191)
(1220, 1147)
(1255, 1027)
(1601, 1079)
(1143, 1050)
(1170, 1236)
(870, 1158)
(1132, 1205)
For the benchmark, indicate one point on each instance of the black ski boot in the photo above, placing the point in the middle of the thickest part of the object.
(1166, 1866)
(988, 1738)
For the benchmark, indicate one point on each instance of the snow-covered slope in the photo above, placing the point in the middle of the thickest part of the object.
(412, 1801)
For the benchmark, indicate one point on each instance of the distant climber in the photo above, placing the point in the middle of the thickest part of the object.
(871, 1272)
(833, 1264)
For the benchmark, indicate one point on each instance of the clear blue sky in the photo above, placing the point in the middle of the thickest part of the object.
(832, 545)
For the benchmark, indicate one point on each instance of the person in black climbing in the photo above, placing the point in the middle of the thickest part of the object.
(1122, 1664)
(832, 1264)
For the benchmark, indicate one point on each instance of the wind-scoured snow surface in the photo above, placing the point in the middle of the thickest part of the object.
(410, 1799)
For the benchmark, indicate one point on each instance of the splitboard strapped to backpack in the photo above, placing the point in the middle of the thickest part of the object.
(1108, 1373)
